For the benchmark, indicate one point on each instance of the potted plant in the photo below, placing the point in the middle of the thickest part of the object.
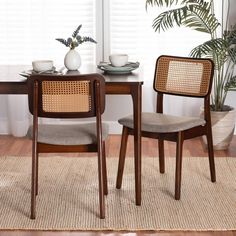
(72, 59)
(221, 48)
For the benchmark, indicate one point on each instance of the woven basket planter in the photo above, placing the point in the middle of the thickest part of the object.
(223, 123)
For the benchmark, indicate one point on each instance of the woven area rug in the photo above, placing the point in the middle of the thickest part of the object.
(68, 195)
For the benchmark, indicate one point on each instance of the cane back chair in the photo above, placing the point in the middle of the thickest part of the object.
(59, 96)
(179, 76)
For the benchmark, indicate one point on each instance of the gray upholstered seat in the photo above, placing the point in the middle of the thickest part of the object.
(76, 134)
(162, 123)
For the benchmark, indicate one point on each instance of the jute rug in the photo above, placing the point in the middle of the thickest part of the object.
(68, 196)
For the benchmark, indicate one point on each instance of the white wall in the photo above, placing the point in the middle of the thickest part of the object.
(231, 98)
(232, 12)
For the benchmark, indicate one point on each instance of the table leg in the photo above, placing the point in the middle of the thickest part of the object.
(136, 94)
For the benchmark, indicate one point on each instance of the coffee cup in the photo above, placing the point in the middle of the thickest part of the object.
(118, 59)
(42, 65)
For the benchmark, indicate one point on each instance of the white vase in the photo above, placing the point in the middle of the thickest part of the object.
(72, 60)
(223, 123)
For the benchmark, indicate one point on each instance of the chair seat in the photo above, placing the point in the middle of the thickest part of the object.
(162, 123)
(76, 134)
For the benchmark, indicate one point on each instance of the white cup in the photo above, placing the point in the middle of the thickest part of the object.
(118, 59)
(42, 65)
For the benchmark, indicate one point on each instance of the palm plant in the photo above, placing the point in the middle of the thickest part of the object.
(199, 15)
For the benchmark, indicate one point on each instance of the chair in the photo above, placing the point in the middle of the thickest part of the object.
(183, 77)
(70, 96)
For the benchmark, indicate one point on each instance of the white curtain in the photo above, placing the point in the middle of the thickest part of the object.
(14, 117)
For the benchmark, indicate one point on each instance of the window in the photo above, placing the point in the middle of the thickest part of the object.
(28, 29)
(131, 32)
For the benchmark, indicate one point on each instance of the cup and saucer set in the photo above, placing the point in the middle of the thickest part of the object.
(118, 64)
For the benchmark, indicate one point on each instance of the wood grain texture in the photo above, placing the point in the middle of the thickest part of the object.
(12, 146)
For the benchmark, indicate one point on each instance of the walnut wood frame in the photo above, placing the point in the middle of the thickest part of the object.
(114, 85)
(177, 137)
(97, 85)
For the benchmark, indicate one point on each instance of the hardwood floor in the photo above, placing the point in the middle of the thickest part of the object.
(12, 146)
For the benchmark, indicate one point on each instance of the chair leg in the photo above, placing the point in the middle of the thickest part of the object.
(33, 182)
(211, 154)
(104, 168)
(179, 150)
(101, 183)
(37, 172)
(161, 156)
(121, 164)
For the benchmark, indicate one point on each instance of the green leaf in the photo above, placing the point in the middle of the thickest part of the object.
(231, 35)
(75, 33)
(63, 41)
(69, 41)
(231, 84)
(214, 45)
(166, 3)
(79, 39)
(215, 49)
(201, 19)
(196, 14)
(232, 54)
(169, 18)
(88, 39)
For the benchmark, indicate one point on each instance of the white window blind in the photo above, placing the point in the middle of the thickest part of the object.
(28, 29)
(131, 32)
(125, 28)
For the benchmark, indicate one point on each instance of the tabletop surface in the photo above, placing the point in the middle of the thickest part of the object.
(10, 73)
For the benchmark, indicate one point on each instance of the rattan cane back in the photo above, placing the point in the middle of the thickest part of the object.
(66, 96)
(60, 96)
(183, 76)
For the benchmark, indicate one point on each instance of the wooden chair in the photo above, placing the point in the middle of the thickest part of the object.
(60, 96)
(183, 77)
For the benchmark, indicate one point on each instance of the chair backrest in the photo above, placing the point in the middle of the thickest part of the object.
(183, 76)
(66, 96)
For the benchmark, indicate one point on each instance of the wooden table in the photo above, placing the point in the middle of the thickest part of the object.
(131, 84)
